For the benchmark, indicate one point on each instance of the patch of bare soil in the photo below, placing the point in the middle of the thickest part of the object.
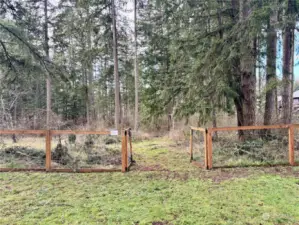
(161, 223)
(223, 174)
(218, 175)
(158, 223)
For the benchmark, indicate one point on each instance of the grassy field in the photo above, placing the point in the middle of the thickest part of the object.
(162, 188)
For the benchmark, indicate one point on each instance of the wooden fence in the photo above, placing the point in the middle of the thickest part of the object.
(208, 141)
(126, 139)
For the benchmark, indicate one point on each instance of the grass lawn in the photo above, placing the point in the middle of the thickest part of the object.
(163, 188)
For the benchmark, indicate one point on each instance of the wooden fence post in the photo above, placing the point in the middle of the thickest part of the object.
(191, 145)
(48, 150)
(131, 148)
(123, 163)
(210, 149)
(124, 152)
(291, 145)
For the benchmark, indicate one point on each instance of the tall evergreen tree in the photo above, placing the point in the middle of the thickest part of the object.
(271, 68)
(287, 67)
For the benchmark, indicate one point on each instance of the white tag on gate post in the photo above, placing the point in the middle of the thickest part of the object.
(114, 132)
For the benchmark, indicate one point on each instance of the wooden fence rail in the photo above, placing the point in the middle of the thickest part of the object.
(125, 136)
(208, 141)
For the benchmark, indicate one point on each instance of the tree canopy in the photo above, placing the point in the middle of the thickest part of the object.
(194, 58)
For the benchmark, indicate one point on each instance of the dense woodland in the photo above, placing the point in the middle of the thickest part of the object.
(120, 63)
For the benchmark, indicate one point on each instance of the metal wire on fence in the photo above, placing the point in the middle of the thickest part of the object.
(247, 145)
(250, 147)
(198, 153)
(296, 144)
(65, 150)
(22, 151)
(77, 151)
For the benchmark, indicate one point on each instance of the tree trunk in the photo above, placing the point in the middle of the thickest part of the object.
(260, 77)
(271, 74)
(90, 101)
(276, 103)
(240, 116)
(116, 75)
(288, 41)
(15, 110)
(247, 71)
(219, 18)
(136, 119)
(236, 74)
(46, 49)
(106, 95)
(169, 119)
(286, 79)
(214, 121)
(85, 82)
(292, 77)
(14, 122)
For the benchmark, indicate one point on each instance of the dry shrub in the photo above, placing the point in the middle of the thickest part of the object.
(257, 147)
(179, 135)
(143, 136)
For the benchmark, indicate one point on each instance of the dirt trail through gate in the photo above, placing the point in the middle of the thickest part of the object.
(160, 155)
